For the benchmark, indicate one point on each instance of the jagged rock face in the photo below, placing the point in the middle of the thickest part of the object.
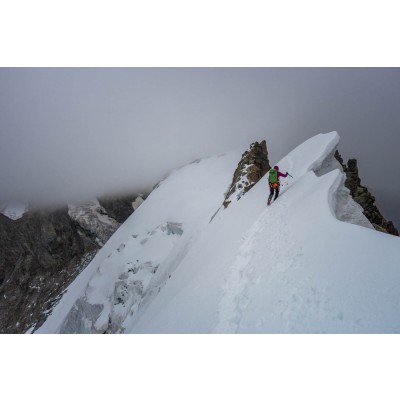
(120, 207)
(364, 198)
(251, 168)
(41, 253)
(94, 220)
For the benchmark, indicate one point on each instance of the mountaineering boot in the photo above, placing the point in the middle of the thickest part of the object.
(269, 202)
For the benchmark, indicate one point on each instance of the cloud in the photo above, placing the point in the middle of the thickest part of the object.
(71, 134)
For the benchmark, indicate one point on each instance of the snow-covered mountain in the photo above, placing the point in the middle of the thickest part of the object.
(311, 262)
(42, 252)
(15, 210)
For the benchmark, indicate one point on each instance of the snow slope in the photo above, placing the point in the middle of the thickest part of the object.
(145, 249)
(293, 267)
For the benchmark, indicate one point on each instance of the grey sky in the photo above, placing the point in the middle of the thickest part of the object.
(70, 134)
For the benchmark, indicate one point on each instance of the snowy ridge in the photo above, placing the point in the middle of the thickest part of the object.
(144, 251)
(291, 267)
(342, 204)
(240, 186)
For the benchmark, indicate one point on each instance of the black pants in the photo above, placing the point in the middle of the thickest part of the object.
(271, 192)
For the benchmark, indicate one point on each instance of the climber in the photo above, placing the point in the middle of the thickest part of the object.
(274, 183)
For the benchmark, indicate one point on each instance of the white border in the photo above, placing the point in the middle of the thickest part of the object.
(198, 33)
(200, 366)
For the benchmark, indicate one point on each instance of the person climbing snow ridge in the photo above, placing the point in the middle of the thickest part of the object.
(274, 182)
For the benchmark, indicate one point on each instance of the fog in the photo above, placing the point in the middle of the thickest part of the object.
(69, 134)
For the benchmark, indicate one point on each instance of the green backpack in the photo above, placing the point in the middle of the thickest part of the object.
(273, 176)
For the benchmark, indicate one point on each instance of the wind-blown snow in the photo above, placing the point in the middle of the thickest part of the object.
(290, 267)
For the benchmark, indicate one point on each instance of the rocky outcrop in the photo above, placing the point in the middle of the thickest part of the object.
(121, 207)
(253, 165)
(41, 253)
(94, 220)
(364, 198)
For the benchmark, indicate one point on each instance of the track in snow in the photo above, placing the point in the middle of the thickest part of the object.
(269, 232)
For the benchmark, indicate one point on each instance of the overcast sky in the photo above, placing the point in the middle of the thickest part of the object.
(70, 134)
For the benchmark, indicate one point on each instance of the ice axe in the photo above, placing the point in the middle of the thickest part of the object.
(289, 175)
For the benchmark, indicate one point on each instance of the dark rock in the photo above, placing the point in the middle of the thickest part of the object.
(364, 198)
(43, 252)
(40, 254)
(253, 165)
(119, 207)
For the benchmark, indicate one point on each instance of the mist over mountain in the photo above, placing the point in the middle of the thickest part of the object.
(69, 135)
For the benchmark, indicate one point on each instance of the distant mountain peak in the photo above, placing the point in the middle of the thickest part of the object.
(14, 210)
